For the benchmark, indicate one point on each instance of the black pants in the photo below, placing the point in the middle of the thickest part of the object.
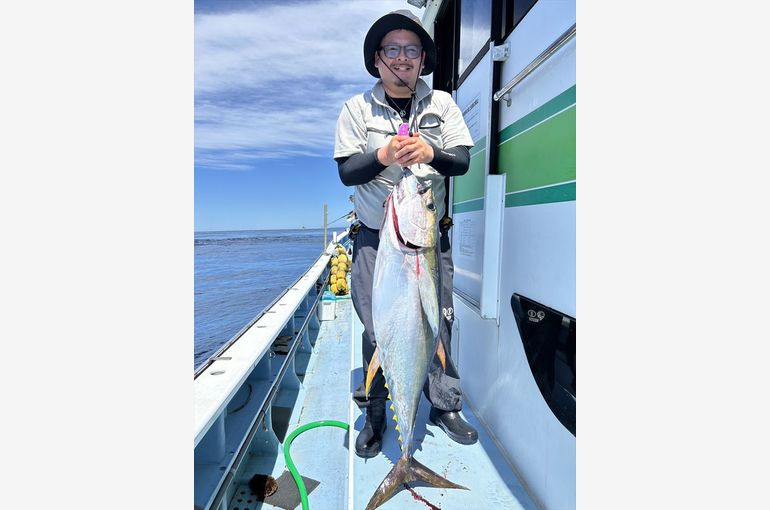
(442, 387)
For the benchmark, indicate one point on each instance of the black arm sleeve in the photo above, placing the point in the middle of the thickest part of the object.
(452, 161)
(359, 168)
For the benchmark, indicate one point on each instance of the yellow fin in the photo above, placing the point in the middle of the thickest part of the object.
(374, 365)
(441, 354)
(400, 439)
(395, 418)
(397, 428)
(392, 408)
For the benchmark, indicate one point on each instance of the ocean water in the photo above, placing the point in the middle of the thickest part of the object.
(238, 273)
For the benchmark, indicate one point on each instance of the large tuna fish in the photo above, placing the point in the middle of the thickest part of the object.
(405, 313)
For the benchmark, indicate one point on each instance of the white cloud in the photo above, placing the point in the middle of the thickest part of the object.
(270, 81)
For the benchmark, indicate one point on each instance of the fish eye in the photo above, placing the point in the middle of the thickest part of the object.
(430, 206)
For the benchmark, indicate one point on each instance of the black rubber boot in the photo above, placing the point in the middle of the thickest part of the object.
(369, 440)
(455, 427)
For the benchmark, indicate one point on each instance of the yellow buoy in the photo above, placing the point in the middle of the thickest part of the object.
(333, 278)
(342, 258)
(341, 266)
(340, 275)
(333, 288)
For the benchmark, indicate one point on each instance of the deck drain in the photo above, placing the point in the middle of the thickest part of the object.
(263, 486)
(243, 499)
(284, 495)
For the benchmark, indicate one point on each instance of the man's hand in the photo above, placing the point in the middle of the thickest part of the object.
(387, 153)
(406, 151)
(414, 150)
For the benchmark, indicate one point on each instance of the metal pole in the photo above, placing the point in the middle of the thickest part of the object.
(325, 212)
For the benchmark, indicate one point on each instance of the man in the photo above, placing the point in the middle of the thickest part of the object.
(370, 155)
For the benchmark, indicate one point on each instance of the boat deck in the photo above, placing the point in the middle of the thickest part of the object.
(326, 454)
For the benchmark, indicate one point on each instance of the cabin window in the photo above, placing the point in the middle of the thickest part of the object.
(548, 337)
(515, 10)
(445, 36)
(475, 19)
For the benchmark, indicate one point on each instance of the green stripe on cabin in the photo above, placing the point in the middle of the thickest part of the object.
(537, 152)
(471, 185)
(542, 155)
(539, 114)
(556, 193)
(478, 146)
(470, 205)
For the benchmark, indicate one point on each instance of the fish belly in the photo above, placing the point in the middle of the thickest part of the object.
(403, 335)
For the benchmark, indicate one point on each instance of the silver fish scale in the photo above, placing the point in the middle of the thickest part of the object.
(406, 351)
(404, 337)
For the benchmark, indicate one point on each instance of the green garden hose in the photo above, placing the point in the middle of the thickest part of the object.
(287, 445)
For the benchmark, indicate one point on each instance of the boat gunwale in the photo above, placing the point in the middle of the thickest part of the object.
(243, 447)
(202, 428)
(211, 359)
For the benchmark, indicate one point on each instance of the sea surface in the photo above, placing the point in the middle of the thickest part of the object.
(238, 273)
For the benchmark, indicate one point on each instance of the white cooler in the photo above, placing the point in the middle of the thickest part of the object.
(326, 311)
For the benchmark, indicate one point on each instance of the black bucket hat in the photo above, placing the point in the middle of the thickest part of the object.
(401, 19)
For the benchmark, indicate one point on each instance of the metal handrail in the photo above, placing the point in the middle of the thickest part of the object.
(275, 385)
(558, 43)
(211, 359)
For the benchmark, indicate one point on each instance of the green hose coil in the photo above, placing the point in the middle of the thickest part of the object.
(287, 445)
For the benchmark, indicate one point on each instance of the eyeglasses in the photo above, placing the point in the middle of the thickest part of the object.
(394, 50)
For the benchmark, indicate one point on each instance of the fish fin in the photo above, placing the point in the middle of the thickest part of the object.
(374, 364)
(441, 353)
(407, 470)
(428, 476)
(429, 296)
(389, 198)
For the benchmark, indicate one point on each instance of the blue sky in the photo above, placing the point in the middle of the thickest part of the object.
(270, 79)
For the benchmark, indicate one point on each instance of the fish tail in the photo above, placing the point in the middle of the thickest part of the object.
(407, 470)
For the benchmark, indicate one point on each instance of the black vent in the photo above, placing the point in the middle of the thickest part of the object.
(549, 342)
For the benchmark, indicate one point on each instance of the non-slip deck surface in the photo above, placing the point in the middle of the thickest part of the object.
(480, 467)
(323, 453)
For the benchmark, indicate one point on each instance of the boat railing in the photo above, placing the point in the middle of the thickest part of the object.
(259, 421)
(218, 354)
(224, 433)
(505, 91)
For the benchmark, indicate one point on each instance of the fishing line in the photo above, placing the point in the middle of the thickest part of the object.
(413, 108)
(341, 217)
